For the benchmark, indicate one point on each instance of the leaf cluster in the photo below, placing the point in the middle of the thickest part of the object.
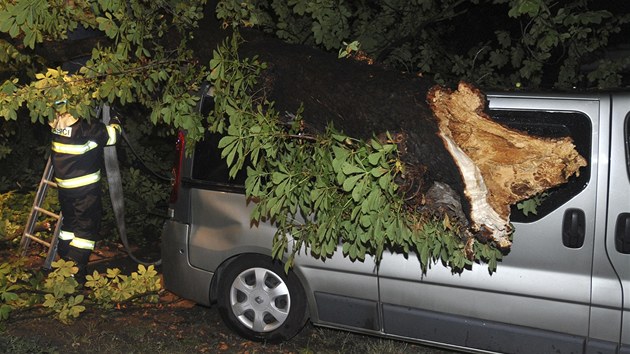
(113, 288)
(133, 64)
(58, 294)
(530, 206)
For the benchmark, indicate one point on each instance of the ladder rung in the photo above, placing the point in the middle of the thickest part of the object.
(32, 226)
(37, 239)
(50, 183)
(44, 211)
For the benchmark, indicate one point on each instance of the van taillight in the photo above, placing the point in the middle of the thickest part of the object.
(177, 166)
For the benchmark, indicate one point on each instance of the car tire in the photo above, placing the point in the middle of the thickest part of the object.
(259, 301)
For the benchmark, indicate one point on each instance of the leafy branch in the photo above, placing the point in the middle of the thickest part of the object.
(328, 190)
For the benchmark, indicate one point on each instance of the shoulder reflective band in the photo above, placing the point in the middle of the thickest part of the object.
(79, 181)
(82, 243)
(112, 133)
(66, 235)
(73, 149)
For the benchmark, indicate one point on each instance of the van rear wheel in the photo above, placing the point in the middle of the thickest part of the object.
(259, 301)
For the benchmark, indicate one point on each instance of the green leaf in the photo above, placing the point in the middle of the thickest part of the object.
(350, 169)
(339, 138)
(231, 154)
(374, 158)
(357, 191)
(277, 177)
(227, 140)
(280, 188)
(366, 220)
(14, 31)
(378, 171)
(385, 181)
(424, 254)
(5, 311)
(6, 21)
(351, 182)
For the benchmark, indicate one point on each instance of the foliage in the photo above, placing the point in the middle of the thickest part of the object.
(134, 67)
(145, 194)
(13, 213)
(58, 294)
(60, 290)
(144, 198)
(530, 206)
(14, 210)
(114, 288)
(22, 153)
(531, 43)
(321, 190)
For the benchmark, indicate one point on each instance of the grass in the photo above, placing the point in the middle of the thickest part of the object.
(21, 345)
(334, 341)
(175, 331)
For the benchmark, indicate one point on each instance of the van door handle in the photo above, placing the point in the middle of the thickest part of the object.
(622, 233)
(573, 228)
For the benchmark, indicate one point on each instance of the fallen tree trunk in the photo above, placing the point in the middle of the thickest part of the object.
(449, 144)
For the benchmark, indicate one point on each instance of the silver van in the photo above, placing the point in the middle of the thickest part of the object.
(563, 288)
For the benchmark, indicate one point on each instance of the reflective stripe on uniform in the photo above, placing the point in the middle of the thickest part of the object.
(73, 149)
(112, 133)
(66, 235)
(82, 243)
(79, 181)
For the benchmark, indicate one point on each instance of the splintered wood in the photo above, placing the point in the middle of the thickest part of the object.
(500, 166)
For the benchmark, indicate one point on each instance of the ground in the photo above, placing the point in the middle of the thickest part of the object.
(175, 325)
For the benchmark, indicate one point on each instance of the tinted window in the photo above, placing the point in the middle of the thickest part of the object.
(552, 124)
(209, 167)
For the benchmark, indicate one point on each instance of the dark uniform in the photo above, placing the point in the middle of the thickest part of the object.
(77, 155)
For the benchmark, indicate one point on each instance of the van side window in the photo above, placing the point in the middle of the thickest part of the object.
(552, 124)
(210, 169)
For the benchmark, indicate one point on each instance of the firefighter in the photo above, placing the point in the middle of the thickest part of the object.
(77, 155)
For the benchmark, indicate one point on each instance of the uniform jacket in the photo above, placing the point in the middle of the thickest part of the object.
(77, 147)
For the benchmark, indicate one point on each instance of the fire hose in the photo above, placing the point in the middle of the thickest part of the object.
(114, 181)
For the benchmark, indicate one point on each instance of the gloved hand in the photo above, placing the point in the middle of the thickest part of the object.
(115, 117)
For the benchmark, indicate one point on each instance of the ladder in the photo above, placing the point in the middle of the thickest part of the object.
(29, 230)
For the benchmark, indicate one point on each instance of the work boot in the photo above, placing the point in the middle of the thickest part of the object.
(63, 246)
(81, 258)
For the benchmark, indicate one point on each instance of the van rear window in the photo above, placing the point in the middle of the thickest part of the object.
(210, 168)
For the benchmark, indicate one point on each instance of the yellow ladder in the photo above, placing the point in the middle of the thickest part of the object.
(36, 210)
